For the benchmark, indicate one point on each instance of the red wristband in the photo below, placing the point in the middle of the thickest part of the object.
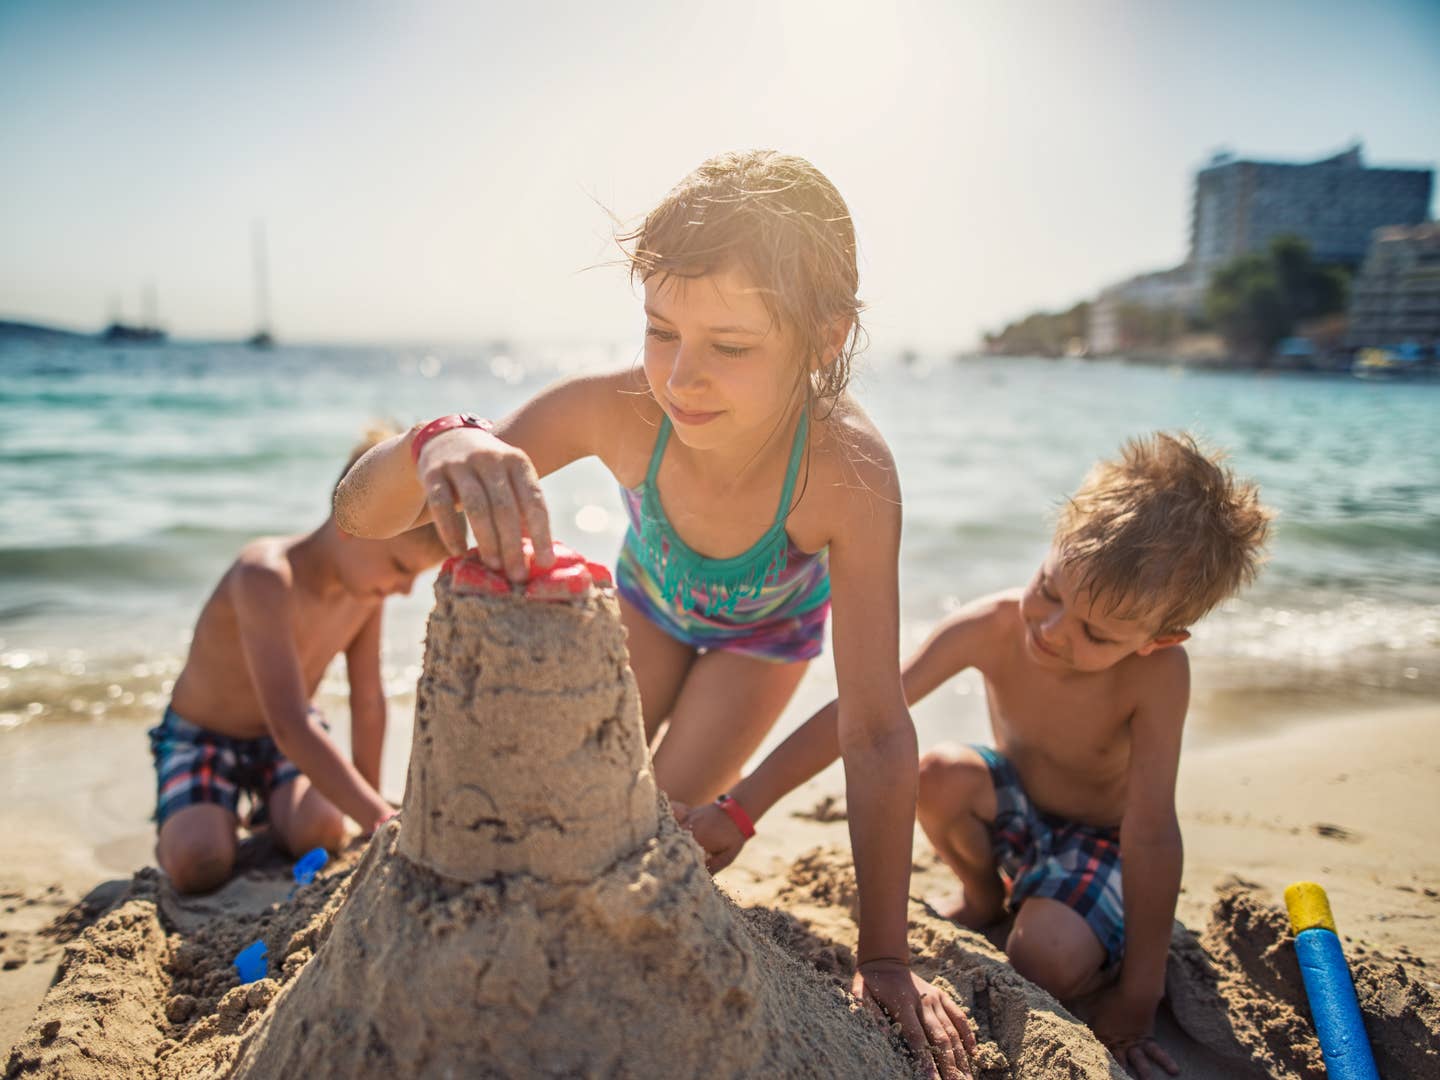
(737, 814)
(445, 423)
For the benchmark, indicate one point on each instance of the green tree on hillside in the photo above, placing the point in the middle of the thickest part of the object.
(1257, 299)
(1041, 333)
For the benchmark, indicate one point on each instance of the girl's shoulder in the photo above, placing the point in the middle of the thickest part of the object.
(606, 401)
(848, 451)
(623, 416)
(847, 476)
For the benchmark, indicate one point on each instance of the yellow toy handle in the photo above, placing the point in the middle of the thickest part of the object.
(1309, 907)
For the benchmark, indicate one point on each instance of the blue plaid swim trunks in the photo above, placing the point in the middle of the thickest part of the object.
(1044, 855)
(194, 766)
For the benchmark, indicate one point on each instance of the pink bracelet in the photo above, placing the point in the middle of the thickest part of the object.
(737, 814)
(445, 423)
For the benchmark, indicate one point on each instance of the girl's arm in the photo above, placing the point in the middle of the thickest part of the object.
(877, 742)
(875, 735)
(495, 477)
(953, 646)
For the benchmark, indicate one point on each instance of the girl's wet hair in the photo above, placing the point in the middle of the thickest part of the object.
(776, 218)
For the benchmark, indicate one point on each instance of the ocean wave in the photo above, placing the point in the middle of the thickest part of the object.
(1369, 534)
(166, 463)
(178, 552)
(94, 399)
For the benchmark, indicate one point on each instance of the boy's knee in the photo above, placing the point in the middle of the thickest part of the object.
(196, 847)
(322, 828)
(1061, 956)
(1061, 976)
(197, 869)
(951, 781)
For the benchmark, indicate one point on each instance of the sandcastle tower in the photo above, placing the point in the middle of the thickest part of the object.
(535, 912)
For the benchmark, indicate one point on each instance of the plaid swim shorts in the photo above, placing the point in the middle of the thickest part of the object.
(1044, 855)
(195, 766)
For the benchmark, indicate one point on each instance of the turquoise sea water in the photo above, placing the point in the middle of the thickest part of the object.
(129, 478)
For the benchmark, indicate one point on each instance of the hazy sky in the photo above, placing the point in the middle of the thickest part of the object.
(436, 171)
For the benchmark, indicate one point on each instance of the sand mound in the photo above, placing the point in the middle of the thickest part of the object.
(1237, 989)
(154, 973)
(1022, 1030)
(536, 912)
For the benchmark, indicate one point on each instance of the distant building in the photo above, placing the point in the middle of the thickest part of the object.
(1110, 331)
(1395, 299)
(1333, 205)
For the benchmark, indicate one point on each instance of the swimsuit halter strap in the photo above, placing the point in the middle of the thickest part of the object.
(792, 470)
(659, 452)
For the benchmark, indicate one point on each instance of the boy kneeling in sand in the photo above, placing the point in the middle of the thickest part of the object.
(240, 719)
(1087, 688)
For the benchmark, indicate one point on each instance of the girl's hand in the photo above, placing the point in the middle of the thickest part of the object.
(496, 487)
(933, 1025)
(716, 834)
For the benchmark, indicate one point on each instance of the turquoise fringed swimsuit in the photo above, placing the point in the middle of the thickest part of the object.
(769, 602)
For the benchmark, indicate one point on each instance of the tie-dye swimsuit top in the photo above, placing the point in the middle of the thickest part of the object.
(769, 602)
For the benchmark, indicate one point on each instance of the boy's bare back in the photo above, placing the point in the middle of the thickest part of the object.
(274, 581)
(1068, 733)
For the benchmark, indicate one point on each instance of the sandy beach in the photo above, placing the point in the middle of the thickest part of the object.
(1348, 801)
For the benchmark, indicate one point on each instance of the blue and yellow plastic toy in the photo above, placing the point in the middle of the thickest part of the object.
(1328, 985)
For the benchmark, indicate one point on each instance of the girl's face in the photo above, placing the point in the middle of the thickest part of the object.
(717, 363)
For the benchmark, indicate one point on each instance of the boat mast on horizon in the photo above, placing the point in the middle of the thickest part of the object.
(263, 338)
(147, 332)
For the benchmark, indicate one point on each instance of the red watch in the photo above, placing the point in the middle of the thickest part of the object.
(737, 814)
(445, 423)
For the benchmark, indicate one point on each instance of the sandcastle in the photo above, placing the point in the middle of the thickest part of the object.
(536, 911)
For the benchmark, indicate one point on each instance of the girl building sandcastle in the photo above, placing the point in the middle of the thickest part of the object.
(757, 491)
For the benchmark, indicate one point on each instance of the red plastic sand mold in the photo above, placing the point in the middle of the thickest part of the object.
(570, 577)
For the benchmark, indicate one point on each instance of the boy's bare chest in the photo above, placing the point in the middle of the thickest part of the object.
(323, 629)
(318, 630)
(217, 688)
(1071, 744)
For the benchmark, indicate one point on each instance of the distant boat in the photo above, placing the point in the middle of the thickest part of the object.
(148, 332)
(263, 338)
(120, 332)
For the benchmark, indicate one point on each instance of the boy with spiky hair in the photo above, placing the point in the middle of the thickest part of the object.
(1087, 686)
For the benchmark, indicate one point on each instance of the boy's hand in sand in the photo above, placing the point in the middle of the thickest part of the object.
(497, 488)
(718, 836)
(1126, 1024)
(934, 1026)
